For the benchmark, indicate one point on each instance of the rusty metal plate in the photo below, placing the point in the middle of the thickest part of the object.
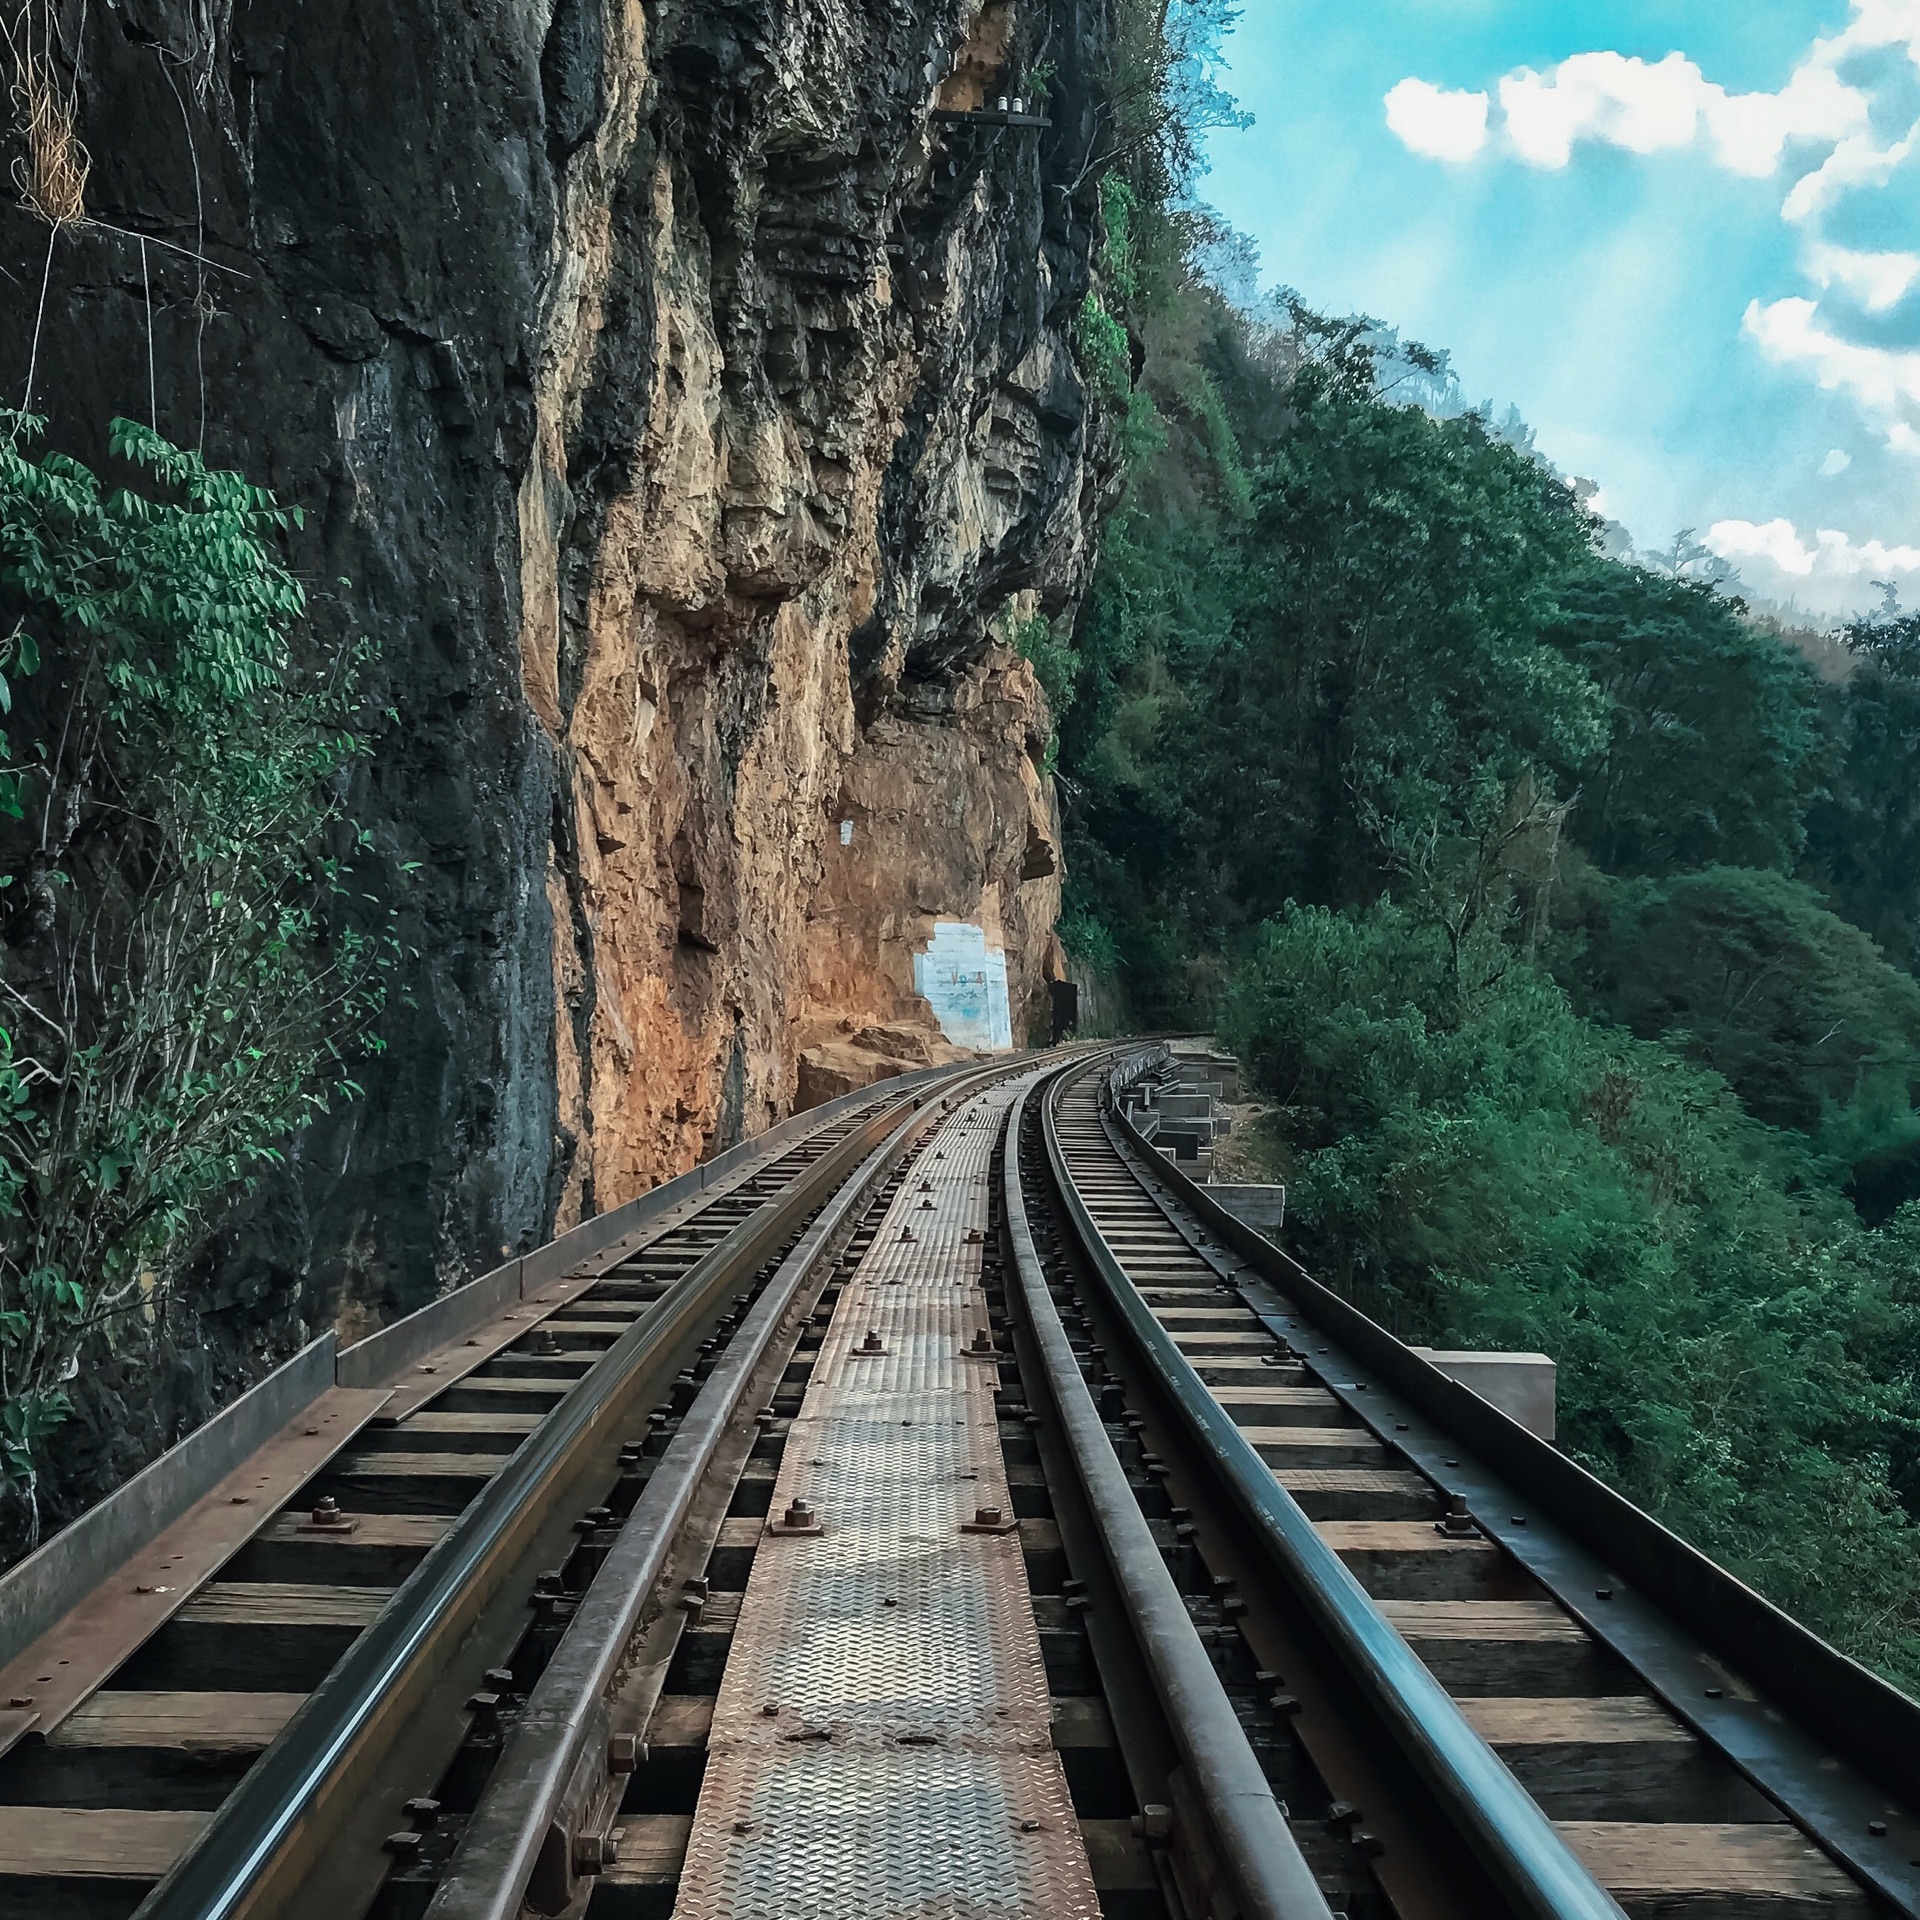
(75, 1655)
(882, 1743)
(423, 1380)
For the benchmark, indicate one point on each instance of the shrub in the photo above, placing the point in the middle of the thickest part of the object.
(1479, 1167)
(187, 966)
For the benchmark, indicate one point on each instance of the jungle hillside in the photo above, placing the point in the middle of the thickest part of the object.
(1566, 913)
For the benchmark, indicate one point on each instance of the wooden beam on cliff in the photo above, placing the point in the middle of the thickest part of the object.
(988, 117)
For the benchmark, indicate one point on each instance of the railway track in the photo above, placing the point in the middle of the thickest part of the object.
(942, 1508)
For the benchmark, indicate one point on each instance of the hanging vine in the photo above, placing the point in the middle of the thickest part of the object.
(52, 171)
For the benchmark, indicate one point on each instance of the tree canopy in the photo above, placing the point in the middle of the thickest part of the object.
(1563, 916)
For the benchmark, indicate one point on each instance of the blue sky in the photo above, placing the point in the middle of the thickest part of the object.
(1683, 239)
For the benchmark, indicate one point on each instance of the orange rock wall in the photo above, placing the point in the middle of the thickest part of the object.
(764, 599)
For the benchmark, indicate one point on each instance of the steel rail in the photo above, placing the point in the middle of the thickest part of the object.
(1832, 1744)
(277, 1825)
(1270, 1875)
(557, 1747)
(1514, 1841)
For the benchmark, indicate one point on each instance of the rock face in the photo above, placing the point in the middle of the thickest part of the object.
(680, 402)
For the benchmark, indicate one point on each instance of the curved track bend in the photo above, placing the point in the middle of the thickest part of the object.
(1421, 1588)
(941, 1508)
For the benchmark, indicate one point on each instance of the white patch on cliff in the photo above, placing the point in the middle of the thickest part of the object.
(964, 981)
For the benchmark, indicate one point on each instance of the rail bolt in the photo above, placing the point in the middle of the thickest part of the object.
(595, 1852)
(982, 1341)
(871, 1343)
(1154, 1824)
(988, 1520)
(800, 1517)
(624, 1753)
(327, 1515)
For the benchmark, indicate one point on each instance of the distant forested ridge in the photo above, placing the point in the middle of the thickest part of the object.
(1567, 920)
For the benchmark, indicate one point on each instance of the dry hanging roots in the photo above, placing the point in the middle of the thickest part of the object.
(52, 173)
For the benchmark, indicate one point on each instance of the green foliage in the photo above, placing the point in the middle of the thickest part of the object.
(1481, 1167)
(1799, 1011)
(1055, 664)
(1101, 342)
(1119, 262)
(1161, 95)
(1387, 649)
(188, 965)
(1864, 831)
(1368, 604)
(1085, 937)
(1710, 751)
(1342, 652)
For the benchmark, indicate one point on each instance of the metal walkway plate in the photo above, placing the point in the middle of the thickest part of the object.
(882, 1744)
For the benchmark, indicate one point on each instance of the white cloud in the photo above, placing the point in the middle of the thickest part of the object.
(1644, 106)
(1833, 555)
(1751, 131)
(1655, 106)
(1884, 382)
(1601, 96)
(1879, 281)
(1777, 543)
(1841, 127)
(1433, 121)
(1855, 162)
(1826, 570)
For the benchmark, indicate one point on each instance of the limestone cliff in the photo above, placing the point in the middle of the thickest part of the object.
(761, 608)
(678, 392)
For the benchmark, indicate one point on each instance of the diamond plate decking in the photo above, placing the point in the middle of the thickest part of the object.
(881, 1747)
